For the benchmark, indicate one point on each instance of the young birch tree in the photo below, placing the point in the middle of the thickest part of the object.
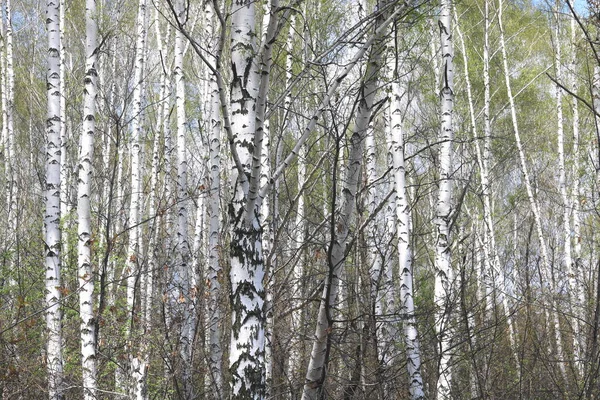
(444, 276)
(84, 228)
(134, 374)
(54, 357)
(407, 306)
(8, 78)
(182, 274)
(214, 312)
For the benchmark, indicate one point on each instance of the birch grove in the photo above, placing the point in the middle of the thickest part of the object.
(299, 199)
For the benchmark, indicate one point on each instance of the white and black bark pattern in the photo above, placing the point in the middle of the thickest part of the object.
(84, 228)
(246, 359)
(4, 96)
(64, 168)
(10, 144)
(214, 312)
(134, 373)
(183, 306)
(443, 291)
(407, 306)
(576, 287)
(316, 372)
(54, 358)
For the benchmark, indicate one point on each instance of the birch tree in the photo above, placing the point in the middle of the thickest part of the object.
(134, 374)
(407, 306)
(444, 276)
(84, 229)
(54, 345)
(184, 303)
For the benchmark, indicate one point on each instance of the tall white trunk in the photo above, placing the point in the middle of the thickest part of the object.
(298, 266)
(577, 298)
(246, 358)
(562, 180)
(64, 167)
(184, 304)
(11, 144)
(444, 276)
(54, 358)
(4, 96)
(407, 306)
(316, 372)
(135, 374)
(84, 228)
(214, 309)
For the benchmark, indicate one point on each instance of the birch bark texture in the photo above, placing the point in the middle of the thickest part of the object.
(444, 277)
(54, 356)
(214, 312)
(84, 226)
(407, 305)
(246, 358)
(183, 304)
(134, 373)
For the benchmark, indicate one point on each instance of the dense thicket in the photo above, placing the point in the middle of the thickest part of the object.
(299, 199)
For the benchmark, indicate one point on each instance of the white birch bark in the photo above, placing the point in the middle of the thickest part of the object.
(407, 306)
(135, 374)
(546, 270)
(444, 277)
(577, 298)
(215, 353)
(184, 307)
(298, 269)
(54, 358)
(10, 144)
(64, 167)
(265, 217)
(84, 228)
(4, 96)
(316, 372)
(562, 183)
(246, 359)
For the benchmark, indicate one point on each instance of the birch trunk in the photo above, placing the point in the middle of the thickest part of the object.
(184, 304)
(84, 228)
(4, 94)
(135, 375)
(246, 359)
(54, 358)
(64, 168)
(316, 372)
(562, 181)
(407, 306)
(577, 298)
(444, 277)
(215, 314)
(11, 146)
